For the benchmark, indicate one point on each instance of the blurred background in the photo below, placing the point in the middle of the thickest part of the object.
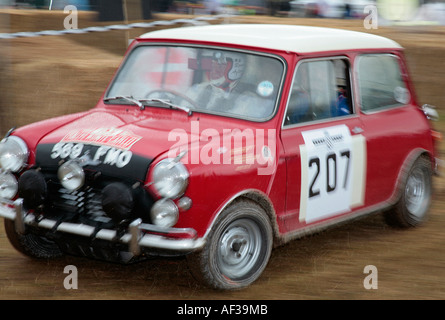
(51, 74)
(115, 9)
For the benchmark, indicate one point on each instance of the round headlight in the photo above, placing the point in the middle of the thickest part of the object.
(164, 213)
(71, 175)
(13, 154)
(170, 178)
(8, 186)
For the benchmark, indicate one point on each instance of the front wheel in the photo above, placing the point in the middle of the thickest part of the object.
(238, 249)
(414, 203)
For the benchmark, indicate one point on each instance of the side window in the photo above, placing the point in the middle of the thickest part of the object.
(380, 82)
(321, 89)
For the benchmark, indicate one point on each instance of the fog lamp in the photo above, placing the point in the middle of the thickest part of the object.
(8, 186)
(32, 189)
(71, 175)
(164, 213)
(117, 201)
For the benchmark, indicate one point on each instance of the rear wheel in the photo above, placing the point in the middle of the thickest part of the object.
(238, 249)
(414, 203)
(30, 244)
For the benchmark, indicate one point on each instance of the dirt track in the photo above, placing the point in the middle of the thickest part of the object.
(49, 76)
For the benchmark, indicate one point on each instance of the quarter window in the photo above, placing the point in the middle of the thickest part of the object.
(380, 82)
(320, 90)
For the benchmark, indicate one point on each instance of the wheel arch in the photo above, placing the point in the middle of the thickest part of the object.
(405, 169)
(262, 200)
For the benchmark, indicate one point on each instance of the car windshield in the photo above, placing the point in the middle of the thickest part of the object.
(231, 83)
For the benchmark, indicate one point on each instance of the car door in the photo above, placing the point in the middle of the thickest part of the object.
(324, 148)
(391, 121)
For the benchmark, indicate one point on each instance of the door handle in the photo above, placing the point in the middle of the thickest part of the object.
(357, 130)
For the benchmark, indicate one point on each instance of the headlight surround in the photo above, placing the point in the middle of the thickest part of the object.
(13, 154)
(71, 175)
(170, 178)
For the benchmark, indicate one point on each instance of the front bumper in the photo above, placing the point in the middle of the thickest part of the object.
(137, 236)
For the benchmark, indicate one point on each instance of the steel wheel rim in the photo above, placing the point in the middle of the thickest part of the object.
(239, 248)
(416, 191)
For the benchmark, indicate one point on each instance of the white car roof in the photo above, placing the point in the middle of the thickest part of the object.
(300, 39)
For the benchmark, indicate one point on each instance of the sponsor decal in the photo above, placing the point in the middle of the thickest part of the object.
(112, 146)
(111, 137)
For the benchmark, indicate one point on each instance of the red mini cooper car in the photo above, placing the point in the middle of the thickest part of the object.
(219, 143)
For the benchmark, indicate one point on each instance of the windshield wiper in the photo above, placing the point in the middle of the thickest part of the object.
(168, 103)
(140, 102)
(129, 99)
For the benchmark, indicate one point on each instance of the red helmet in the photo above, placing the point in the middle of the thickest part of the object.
(223, 68)
(227, 69)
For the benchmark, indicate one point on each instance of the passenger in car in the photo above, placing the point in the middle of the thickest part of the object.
(341, 108)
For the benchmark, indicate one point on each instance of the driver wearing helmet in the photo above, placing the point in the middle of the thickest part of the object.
(230, 88)
(220, 73)
(226, 70)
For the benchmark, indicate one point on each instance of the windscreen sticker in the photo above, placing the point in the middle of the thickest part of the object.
(333, 167)
(265, 88)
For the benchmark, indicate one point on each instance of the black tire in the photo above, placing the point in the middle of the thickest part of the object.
(415, 200)
(32, 245)
(237, 250)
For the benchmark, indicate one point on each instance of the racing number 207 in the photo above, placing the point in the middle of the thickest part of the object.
(331, 171)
